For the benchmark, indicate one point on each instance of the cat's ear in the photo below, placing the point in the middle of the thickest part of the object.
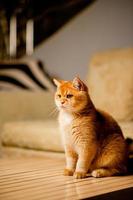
(79, 85)
(57, 82)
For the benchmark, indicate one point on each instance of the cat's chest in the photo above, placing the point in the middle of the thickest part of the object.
(65, 119)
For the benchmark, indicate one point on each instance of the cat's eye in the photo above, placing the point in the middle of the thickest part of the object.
(69, 96)
(59, 95)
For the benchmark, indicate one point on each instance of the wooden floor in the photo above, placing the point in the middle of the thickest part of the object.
(40, 178)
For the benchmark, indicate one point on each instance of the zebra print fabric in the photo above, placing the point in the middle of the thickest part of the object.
(27, 75)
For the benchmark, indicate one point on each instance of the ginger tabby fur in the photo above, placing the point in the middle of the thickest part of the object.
(93, 141)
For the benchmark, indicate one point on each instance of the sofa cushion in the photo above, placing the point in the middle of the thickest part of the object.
(25, 105)
(110, 81)
(127, 128)
(41, 135)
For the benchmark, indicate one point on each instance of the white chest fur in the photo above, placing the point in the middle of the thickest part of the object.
(65, 122)
(65, 119)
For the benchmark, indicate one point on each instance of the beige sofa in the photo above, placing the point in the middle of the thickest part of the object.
(110, 81)
(27, 118)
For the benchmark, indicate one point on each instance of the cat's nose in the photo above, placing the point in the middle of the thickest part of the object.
(62, 102)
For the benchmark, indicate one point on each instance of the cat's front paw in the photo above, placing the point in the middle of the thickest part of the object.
(79, 175)
(68, 172)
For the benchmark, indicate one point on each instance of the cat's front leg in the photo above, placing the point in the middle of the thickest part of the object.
(85, 158)
(71, 159)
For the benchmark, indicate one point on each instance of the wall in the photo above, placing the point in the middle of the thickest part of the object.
(106, 24)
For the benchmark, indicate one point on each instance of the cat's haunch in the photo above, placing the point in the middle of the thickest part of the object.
(93, 140)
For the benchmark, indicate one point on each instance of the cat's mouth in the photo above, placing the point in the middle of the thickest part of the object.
(62, 106)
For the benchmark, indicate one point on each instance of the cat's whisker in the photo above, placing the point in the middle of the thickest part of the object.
(53, 112)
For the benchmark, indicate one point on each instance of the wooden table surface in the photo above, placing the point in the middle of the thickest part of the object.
(40, 178)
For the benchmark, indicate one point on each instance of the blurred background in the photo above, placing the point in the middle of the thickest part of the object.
(66, 33)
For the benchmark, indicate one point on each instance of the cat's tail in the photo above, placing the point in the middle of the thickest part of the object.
(129, 142)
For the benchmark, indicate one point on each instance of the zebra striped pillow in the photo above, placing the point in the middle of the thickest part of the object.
(28, 75)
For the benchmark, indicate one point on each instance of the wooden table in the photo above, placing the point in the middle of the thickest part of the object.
(38, 176)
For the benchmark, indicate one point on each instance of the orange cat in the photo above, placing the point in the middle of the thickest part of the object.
(93, 141)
